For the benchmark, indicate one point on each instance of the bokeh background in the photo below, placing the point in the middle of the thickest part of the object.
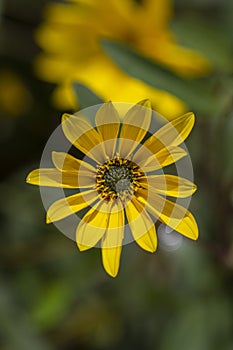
(52, 296)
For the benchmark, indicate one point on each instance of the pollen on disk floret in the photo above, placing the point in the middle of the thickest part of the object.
(117, 178)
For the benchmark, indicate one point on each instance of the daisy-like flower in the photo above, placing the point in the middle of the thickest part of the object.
(118, 180)
(70, 39)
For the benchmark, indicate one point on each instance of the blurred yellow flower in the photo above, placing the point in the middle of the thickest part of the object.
(70, 38)
(117, 180)
(15, 98)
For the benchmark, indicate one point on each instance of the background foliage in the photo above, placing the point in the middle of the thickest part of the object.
(52, 296)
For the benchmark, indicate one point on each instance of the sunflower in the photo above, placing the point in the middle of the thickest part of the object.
(70, 40)
(117, 180)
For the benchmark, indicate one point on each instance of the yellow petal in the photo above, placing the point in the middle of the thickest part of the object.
(65, 162)
(53, 69)
(135, 126)
(132, 90)
(83, 247)
(108, 123)
(112, 240)
(48, 35)
(170, 155)
(171, 214)
(53, 177)
(171, 134)
(83, 136)
(84, 174)
(141, 225)
(115, 229)
(164, 157)
(69, 205)
(157, 14)
(63, 14)
(176, 131)
(63, 96)
(169, 185)
(111, 260)
(188, 63)
(93, 225)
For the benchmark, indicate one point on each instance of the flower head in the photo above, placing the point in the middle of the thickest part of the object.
(118, 182)
(70, 39)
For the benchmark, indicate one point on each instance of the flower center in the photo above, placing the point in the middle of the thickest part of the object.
(118, 178)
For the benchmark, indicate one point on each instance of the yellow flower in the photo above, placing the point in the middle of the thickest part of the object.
(70, 38)
(15, 98)
(118, 180)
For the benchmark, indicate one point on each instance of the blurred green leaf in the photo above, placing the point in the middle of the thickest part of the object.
(53, 304)
(193, 93)
(85, 96)
(207, 38)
